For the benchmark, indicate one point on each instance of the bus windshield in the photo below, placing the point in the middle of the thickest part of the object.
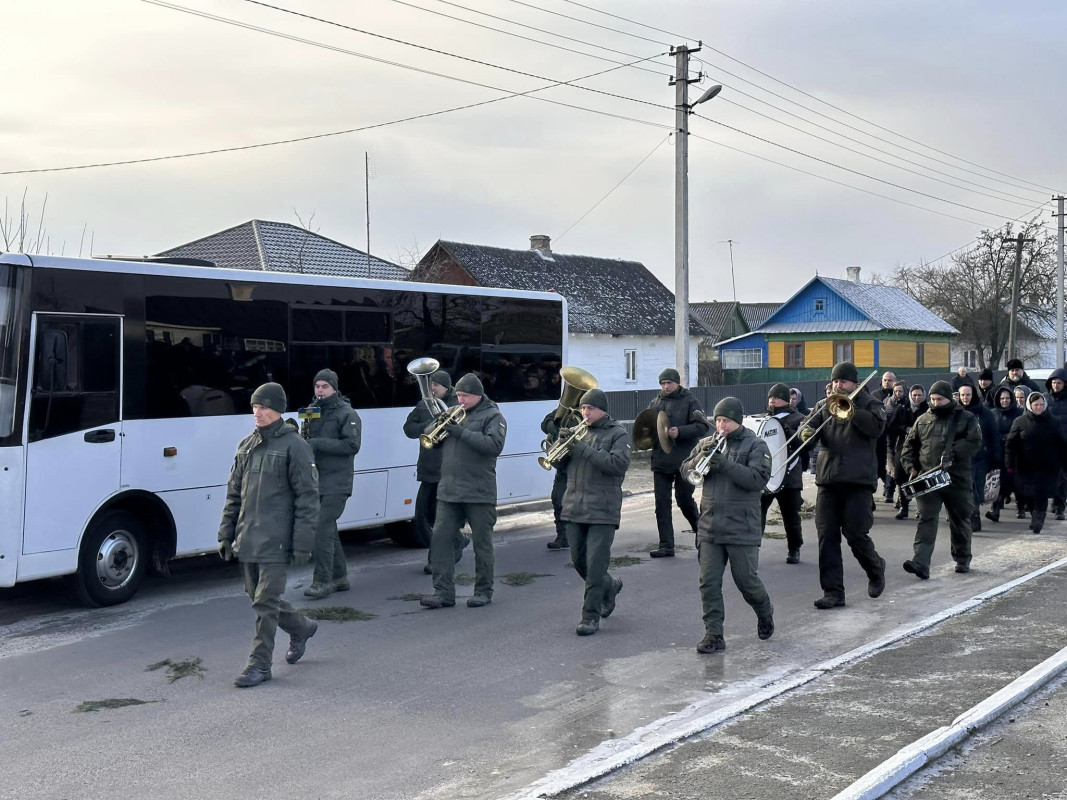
(9, 348)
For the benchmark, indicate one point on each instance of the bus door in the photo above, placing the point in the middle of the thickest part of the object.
(74, 430)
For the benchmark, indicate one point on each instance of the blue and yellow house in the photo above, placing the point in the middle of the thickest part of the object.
(831, 320)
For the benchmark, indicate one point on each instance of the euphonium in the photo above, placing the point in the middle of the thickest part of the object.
(423, 369)
(435, 431)
(708, 446)
(556, 452)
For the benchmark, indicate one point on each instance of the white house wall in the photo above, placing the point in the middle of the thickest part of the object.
(605, 356)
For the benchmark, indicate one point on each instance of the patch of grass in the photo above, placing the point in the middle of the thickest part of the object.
(522, 578)
(463, 579)
(410, 596)
(646, 548)
(337, 614)
(624, 561)
(772, 534)
(807, 511)
(111, 702)
(176, 670)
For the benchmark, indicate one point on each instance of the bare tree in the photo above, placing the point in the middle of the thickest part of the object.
(17, 233)
(298, 262)
(409, 257)
(974, 293)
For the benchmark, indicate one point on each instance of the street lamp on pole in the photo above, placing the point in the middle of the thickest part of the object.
(682, 110)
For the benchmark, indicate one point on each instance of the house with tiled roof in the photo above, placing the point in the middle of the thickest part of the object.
(723, 320)
(755, 314)
(620, 317)
(830, 320)
(280, 247)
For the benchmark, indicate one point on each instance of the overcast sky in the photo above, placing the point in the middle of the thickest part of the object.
(113, 80)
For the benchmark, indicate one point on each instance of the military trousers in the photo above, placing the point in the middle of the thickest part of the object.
(844, 510)
(590, 554)
(744, 564)
(330, 564)
(662, 483)
(789, 503)
(559, 488)
(959, 503)
(446, 537)
(265, 584)
(425, 512)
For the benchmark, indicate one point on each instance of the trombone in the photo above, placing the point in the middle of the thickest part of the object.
(707, 447)
(435, 431)
(838, 405)
(554, 454)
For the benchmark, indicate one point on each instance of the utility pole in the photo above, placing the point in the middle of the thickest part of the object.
(366, 185)
(1060, 359)
(1016, 271)
(682, 110)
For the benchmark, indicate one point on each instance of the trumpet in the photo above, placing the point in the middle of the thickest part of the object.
(554, 454)
(707, 447)
(435, 431)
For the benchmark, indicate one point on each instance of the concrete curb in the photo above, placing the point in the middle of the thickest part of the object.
(614, 754)
(918, 754)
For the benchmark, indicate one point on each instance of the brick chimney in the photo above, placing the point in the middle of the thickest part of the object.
(853, 274)
(542, 244)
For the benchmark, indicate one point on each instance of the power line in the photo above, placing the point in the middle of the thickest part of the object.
(978, 239)
(436, 51)
(616, 186)
(587, 22)
(807, 94)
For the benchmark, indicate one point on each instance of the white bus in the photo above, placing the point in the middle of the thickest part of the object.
(125, 386)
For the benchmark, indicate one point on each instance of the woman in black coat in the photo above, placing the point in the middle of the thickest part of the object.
(1034, 455)
(1005, 412)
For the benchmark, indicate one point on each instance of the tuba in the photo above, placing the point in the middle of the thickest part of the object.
(554, 454)
(435, 431)
(576, 382)
(423, 369)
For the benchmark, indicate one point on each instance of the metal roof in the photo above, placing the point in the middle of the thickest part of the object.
(891, 308)
(280, 247)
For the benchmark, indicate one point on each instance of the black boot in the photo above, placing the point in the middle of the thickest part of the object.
(903, 513)
(976, 522)
(994, 515)
(1038, 521)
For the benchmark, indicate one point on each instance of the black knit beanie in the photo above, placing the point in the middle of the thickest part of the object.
(270, 395)
(845, 371)
(329, 376)
(442, 378)
(731, 408)
(779, 390)
(469, 384)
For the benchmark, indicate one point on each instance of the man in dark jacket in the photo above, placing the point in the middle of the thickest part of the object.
(730, 529)
(882, 394)
(898, 421)
(1056, 407)
(334, 436)
(988, 455)
(592, 506)
(1017, 377)
(961, 378)
(551, 426)
(917, 395)
(269, 520)
(789, 494)
(985, 386)
(428, 467)
(467, 493)
(847, 476)
(686, 425)
(945, 436)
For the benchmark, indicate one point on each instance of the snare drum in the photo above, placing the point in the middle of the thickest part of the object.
(773, 434)
(929, 481)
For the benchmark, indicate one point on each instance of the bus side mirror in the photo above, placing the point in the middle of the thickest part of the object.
(52, 361)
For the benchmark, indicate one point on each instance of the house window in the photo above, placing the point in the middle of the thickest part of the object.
(919, 355)
(794, 355)
(820, 305)
(970, 359)
(842, 351)
(631, 365)
(748, 358)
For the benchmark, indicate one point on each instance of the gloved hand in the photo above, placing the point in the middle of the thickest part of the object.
(577, 447)
(914, 474)
(806, 433)
(226, 550)
(301, 557)
(314, 442)
(452, 429)
(716, 462)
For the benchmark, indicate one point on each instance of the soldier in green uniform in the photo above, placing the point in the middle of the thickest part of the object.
(467, 493)
(948, 436)
(268, 521)
(730, 528)
(335, 438)
(592, 505)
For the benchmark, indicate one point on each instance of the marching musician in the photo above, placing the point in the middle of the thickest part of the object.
(729, 529)
(467, 493)
(899, 418)
(946, 436)
(335, 437)
(592, 506)
(847, 476)
(685, 427)
(428, 468)
(789, 494)
(551, 426)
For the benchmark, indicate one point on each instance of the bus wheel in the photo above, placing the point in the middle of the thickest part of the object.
(404, 534)
(112, 561)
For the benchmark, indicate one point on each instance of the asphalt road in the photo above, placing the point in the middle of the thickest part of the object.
(453, 703)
